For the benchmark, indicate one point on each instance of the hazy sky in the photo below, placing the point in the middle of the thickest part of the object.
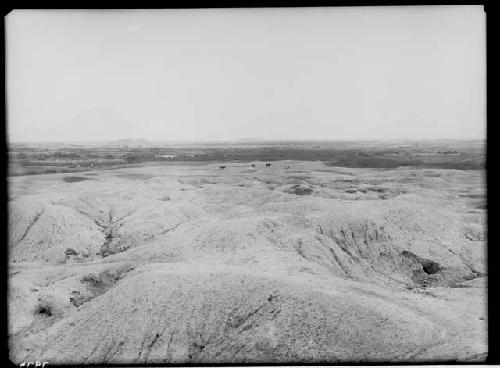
(282, 73)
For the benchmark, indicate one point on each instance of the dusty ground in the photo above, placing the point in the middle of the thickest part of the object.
(191, 264)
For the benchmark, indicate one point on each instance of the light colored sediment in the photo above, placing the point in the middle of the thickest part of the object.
(207, 266)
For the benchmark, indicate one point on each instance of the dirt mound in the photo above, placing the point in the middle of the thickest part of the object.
(83, 229)
(45, 232)
(190, 313)
(348, 242)
(372, 243)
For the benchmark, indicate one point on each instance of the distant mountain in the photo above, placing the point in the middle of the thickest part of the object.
(98, 124)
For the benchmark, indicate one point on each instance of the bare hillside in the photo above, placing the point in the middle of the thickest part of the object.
(191, 263)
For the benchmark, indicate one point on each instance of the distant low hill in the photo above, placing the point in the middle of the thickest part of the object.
(130, 142)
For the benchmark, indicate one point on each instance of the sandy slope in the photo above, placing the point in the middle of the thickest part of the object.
(190, 264)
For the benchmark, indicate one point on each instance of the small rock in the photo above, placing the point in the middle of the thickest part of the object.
(70, 252)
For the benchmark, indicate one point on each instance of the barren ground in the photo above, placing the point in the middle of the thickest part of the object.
(188, 263)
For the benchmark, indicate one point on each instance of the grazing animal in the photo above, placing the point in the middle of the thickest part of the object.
(287, 166)
(222, 167)
(268, 165)
(253, 165)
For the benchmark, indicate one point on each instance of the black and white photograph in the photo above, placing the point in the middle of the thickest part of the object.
(261, 185)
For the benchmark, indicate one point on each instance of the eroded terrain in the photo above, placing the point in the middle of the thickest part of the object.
(190, 263)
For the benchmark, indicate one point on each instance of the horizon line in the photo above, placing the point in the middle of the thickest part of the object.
(248, 140)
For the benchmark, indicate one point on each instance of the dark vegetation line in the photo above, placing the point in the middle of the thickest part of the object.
(42, 160)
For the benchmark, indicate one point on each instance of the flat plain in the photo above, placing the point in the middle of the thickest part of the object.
(333, 253)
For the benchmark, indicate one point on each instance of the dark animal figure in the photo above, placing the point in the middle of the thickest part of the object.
(222, 167)
(268, 165)
(287, 166)
(253, 165)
